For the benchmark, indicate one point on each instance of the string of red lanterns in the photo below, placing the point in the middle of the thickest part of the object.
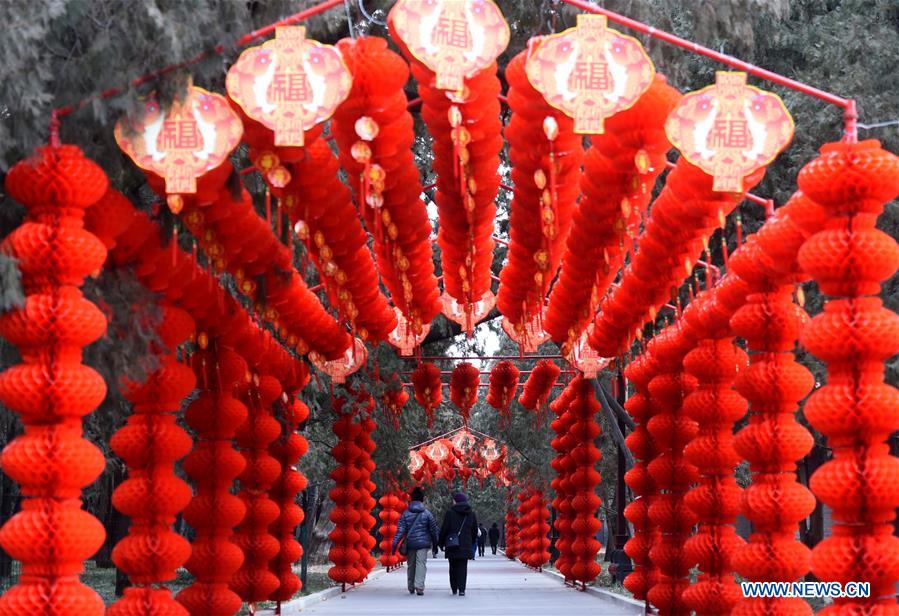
(393, 503)
(428, 389)
(150, 443)
(463, 387)
(539, 385)
(856, 410)
(562, 464)
(545, 154)
(51, 390)
(345, 538)
(503, 387)
(620, 169)
(533, 528)
(365, 488)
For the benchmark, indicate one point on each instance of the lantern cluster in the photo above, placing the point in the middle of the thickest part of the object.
(394, 400)
(366, 489)
(152, 495)
(646, 532)
(583, 481)
(715, 407)
(325, 219)
(502, 390)
(683, 217)
(51, 390)
(562, 464)
(462, 454)
(620, 169)
(466, 128)
(375, 133)
(213, 465)
(539, 385)
(513, 545)
(855, 335)
(393, 504)
(345, 538)
(428, 389)
(671, 430)
(464, 382)
(546, 156)
(774, 383)
(533, 528)
(287, 450)
(238, 240)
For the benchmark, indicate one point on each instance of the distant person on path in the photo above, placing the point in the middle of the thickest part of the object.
(418, 528)
(493, 534)
(482, 539)
(458, 536)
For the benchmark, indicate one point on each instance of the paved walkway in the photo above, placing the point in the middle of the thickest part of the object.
(496, 587)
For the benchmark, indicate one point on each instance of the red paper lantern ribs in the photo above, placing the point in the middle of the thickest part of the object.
(51, 389)
(683, 217)
(365, 488)
(322, 211)
(715, 407)
(546, 156)
(539, 385)
(466, 128)
(621, 168)
(213, 465)
(464, 383)
(672, 474)
(345, 538)
(153, 495)
(375, 133)
(428, 389)
(502, 390)
(855, 335)
(392, 507)
(646, 532)
(513, 547)
(287, 450)
(253, 581)
(238, 240)
(533, 529)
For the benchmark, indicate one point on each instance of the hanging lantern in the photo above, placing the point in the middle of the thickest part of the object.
(464, 383)
(730, 129)
(468, 315)
(428, 388)
(289, 84)
(438, 451)
(502, 390)
(404, 338)
(585, 358)
(528, 336)
(539, 385)
(188, 140)
(590, 72)
(353, 359)
(455, 40)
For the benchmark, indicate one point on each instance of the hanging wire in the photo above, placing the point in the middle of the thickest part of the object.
(349, 19)
(878, 124)
(369, 16)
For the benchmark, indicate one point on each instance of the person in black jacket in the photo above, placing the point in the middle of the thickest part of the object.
(458, 536)
(482, 539)
(493, 534)
(419, 529)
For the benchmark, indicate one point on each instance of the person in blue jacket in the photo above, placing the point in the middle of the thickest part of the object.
(418, 528)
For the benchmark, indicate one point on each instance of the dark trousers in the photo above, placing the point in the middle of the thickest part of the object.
(493, 547)
(458, 572)
(481, 549)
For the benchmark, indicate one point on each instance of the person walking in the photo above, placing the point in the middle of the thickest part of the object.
(417, 529)
(458, 536)
(493, 534)
(482, 539)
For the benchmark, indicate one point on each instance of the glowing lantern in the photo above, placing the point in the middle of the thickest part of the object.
(585, 358)
(338, 369)
(467, 315)
(404, 336)
(730, 129)
(453, 38)
(289, 84)
(590, 72)
(180, 144)
(415, 461)
(529, 335)
(438, 451)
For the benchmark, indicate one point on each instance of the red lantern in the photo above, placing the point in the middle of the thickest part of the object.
(503, 387)
(428, 389)
(464, 383)
(153, 495)
(375, 132)
(539, 385)
(213, 465)
(344, 553)
(51, 389)
(855, 335)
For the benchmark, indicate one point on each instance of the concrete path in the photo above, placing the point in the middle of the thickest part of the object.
(496, 587)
